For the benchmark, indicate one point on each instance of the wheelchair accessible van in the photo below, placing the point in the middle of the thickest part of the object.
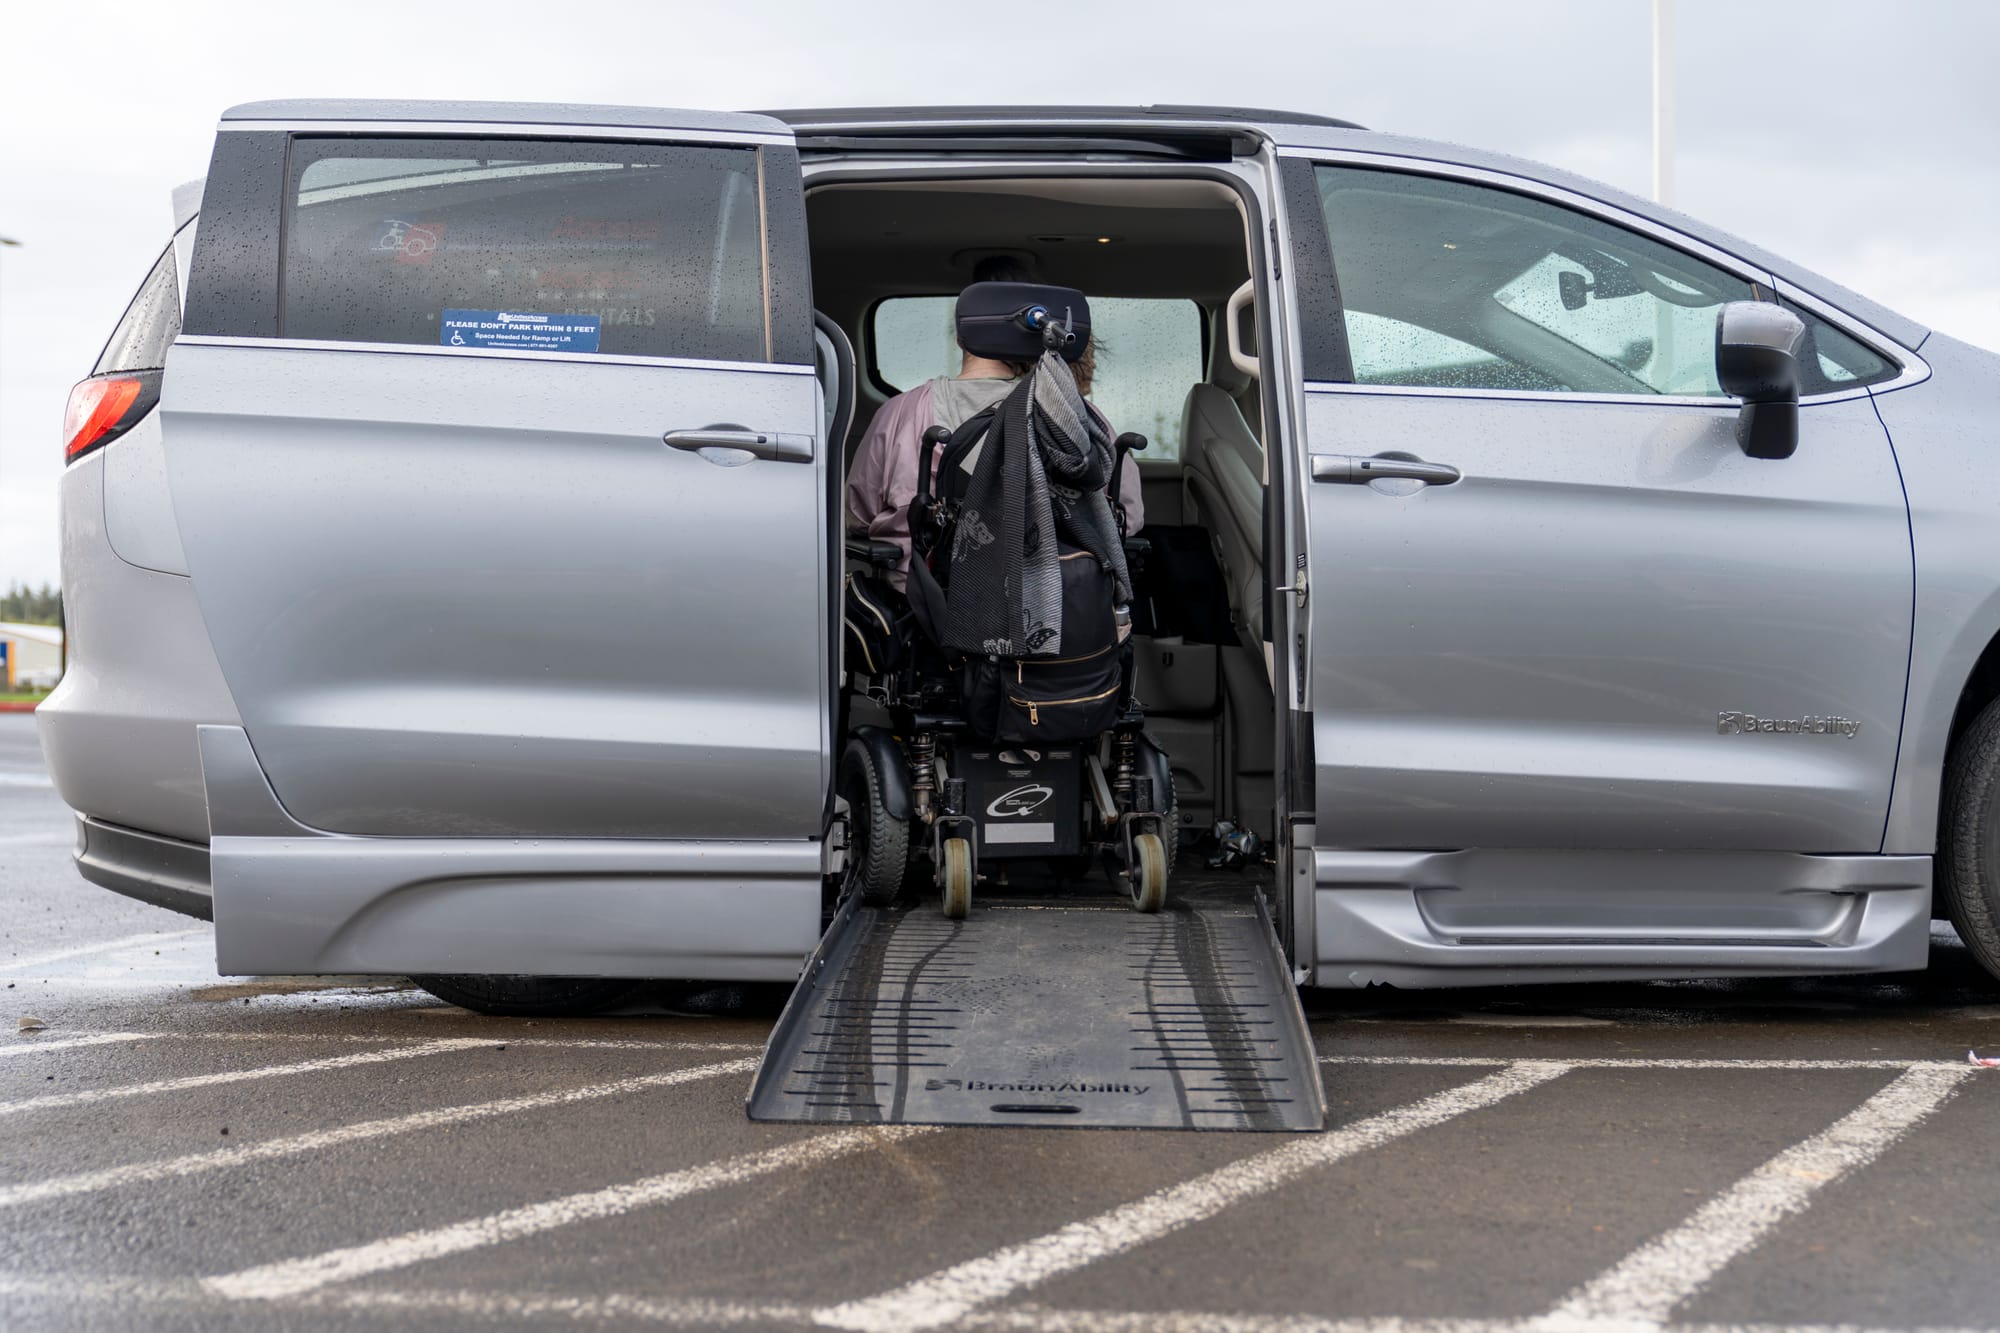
(986, 762)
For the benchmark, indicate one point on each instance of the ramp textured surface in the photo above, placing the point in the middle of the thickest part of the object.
(1045, 1013)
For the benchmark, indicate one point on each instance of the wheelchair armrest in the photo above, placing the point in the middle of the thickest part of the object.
(882, 555)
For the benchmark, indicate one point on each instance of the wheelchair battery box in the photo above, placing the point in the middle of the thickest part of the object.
(1027, 801)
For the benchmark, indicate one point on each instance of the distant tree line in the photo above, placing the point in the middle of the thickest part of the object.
(31, 606)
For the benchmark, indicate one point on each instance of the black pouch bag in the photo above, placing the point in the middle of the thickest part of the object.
(1056, 699)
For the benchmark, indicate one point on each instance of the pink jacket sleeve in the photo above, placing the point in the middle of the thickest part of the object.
(883, 480)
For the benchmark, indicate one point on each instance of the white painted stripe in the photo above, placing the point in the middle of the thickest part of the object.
(615, 1309)
(957, 1291)
(172, 1168)
(295, 1277)
(243, 1075)
(13, 965)
(1632, 1062)
(25, 780)
(499, 1038)
(1644, 1288)
(29, 1046)
(1040, 1319)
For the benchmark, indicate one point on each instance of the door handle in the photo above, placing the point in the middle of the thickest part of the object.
(1359, 471)
(778, 446)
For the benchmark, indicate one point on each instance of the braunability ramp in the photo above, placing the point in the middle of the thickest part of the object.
(1046, 1013)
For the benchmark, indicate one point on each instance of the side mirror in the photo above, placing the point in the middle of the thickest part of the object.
(1757, 359)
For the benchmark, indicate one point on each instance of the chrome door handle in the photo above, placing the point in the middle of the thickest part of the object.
(1359, 471)
(778, 446)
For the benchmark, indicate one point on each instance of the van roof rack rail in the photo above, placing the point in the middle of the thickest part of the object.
(886, 116)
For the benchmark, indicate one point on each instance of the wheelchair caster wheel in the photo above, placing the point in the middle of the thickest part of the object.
(1147, 875)
(955, 878)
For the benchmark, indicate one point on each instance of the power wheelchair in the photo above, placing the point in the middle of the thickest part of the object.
(980, 764)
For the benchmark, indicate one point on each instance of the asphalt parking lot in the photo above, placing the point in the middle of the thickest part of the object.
(179, 1150)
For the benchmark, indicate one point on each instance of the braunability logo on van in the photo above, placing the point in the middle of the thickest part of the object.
(1732, 723)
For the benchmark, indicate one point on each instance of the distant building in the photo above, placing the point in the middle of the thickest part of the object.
(31, 655)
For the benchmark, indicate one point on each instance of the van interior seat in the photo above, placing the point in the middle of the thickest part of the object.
(1222, 464)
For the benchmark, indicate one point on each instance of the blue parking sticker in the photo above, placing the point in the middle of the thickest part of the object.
(518, 331)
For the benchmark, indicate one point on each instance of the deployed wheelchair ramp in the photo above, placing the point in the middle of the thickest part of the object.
(1046, 1013)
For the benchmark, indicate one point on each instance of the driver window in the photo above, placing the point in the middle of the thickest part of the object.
(1493, 290)
(1664, 338)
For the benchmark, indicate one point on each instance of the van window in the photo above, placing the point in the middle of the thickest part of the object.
(150, 325)
(1536, 296)
(1390, 351)
(1149, 354)
(627, 249)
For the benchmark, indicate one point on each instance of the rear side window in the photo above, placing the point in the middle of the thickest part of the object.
(624, 249)
(150, 325)
(1148, 354)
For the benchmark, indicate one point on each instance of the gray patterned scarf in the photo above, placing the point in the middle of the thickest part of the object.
(1037, 488)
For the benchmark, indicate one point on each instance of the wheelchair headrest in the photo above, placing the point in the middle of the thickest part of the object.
(1005, 320)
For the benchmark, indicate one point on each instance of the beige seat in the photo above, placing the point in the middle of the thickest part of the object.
(1223, 472)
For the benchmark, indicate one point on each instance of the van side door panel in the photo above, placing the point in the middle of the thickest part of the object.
(1597, 623)
(458, 580)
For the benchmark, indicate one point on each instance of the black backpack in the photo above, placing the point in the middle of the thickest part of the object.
(1023, 699)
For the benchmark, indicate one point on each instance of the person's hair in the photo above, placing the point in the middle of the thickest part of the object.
(1001, 268)
(1084, 368)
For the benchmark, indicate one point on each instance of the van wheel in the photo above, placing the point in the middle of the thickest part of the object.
(955, 878)
(532, 997)
(878, 850)
(1968, 864)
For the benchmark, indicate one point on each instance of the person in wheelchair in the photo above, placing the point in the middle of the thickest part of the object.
(882, 480)
(1006, 672)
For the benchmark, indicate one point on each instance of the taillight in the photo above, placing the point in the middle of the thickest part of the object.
(97, 407)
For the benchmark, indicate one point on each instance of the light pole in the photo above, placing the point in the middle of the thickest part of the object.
(6, 243)
(1663, 101)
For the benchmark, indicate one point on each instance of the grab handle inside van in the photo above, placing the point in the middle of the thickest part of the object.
(1233, 331)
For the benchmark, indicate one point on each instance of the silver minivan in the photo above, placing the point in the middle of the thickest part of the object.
(1605, 597)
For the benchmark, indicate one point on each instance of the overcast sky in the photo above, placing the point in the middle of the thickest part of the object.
(1853, 137)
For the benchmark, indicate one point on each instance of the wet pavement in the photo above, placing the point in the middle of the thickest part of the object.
(179, 1150)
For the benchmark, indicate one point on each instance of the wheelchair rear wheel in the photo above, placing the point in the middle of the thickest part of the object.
(878, 850)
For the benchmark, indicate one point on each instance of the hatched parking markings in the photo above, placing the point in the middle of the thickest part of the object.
(948, 1296)
(1643, 1289)
(1639, 1293)
(297, 1277)
(173, 1168)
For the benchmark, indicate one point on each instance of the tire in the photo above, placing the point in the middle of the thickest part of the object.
(532, 997)
(1148, 873)
(1968, 865)
(878, 851)
(955, 879)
